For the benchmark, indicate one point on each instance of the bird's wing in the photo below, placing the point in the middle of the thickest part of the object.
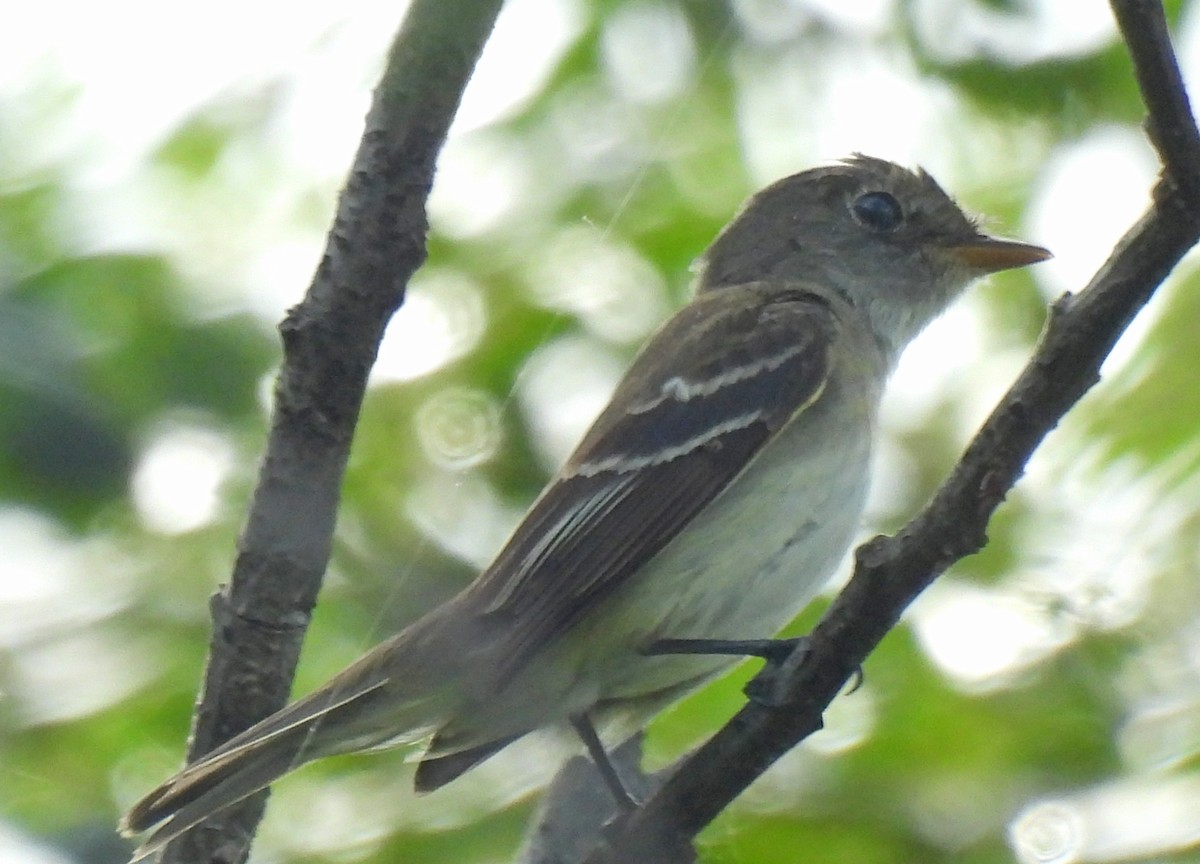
(715, 385)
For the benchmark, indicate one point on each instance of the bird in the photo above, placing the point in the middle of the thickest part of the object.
(709, 502)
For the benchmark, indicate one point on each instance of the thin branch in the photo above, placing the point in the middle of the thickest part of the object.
(330, 341)
(891, 571)
(1170, 124)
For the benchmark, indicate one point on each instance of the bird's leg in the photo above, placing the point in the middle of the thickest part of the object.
(774, 651)
(582, 724)
(764, 688)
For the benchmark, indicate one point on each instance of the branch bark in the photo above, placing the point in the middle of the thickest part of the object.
(330, 341)
(891, 571)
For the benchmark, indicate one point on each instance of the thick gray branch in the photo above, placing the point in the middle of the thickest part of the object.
(330, 341)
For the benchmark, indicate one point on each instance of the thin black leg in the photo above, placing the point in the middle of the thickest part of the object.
(771, 650)
(595, 748)
(764, 688)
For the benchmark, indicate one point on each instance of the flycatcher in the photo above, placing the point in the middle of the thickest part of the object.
(711, 499)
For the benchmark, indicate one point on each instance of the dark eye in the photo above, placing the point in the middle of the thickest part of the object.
(879, 211)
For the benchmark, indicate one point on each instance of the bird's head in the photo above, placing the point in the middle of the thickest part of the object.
(889, 240)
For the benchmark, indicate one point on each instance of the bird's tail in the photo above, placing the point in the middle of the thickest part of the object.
(341, 717)
(206, 787)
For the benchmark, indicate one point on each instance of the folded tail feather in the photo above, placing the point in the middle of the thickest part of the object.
(186, 802)
(242, 766)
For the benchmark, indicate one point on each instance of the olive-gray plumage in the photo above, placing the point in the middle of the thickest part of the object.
(710, 500)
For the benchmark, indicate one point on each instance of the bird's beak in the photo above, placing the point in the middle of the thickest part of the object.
(990, 254)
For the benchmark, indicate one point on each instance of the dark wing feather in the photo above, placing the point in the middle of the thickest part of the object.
(720, 379)
(434, 772)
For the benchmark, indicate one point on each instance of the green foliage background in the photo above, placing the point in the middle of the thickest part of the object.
(103, 619)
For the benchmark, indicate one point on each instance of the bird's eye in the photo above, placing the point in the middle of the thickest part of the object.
(878, 211)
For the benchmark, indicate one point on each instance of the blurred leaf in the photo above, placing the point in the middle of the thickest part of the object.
(197, 145)
(1074, 93)
(1150, 409)
(60, 449)
(137, 347)
(31, 223)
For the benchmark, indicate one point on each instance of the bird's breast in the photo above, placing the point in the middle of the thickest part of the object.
(761, 551)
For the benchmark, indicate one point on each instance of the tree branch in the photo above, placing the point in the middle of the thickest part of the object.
(1170, 125)
(891, 571)
(330, 341)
